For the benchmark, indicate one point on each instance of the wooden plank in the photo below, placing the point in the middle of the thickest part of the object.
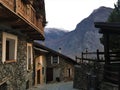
(111, 80)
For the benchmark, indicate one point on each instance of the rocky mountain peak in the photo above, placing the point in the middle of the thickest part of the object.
(84, 36)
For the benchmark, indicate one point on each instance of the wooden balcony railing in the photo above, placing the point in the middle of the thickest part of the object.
(26, 12)
(8, 3)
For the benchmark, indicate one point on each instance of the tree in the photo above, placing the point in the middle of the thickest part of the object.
(115, 15)
(114, 39)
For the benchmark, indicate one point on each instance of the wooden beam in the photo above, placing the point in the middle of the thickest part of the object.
(110, 30)
(106, 48)
(20, 26)
(31, 32)
(7, 19)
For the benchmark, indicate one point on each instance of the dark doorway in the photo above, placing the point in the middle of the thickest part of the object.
(69, 72)
(3, 86)
(38, 77)
(49, 74)
(27, 84)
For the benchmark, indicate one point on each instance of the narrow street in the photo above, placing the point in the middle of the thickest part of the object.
(56, 86)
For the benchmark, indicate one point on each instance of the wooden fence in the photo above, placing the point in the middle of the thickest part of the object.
(111, 70)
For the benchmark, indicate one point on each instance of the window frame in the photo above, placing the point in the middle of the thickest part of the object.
(58, 59)
(69, 72)
(30, 44)
(5, 37)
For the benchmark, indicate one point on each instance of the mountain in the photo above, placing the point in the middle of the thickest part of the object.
(84, 36)
(51, 34)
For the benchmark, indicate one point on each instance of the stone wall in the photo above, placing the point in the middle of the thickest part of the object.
(84, 78)
(64, 66)
(88, 76)
(15, 74)
(80, 77)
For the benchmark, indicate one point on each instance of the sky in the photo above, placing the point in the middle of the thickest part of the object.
(66, 14)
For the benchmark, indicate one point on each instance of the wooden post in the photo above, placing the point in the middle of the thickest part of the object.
(98, 58)
(119, 79)
(106, 48)
(82, 57)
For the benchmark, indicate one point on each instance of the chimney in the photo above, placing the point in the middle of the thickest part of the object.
(59, 50)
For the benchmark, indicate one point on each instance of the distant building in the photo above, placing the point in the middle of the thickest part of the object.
(21, 22)
(52, 66)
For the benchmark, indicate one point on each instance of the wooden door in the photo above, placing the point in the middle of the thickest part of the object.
(49, 74)
(38, 77)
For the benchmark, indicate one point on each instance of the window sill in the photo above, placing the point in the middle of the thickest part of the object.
(55, 63)
(10, 61)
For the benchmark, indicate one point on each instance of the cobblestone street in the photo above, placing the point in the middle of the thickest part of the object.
(56, 86)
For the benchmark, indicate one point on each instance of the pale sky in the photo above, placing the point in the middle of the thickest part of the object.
(66, 14)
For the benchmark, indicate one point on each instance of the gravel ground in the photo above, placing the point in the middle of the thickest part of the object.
(56, 86)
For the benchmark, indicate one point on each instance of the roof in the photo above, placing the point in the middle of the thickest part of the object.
(45, 49)
(108, 27)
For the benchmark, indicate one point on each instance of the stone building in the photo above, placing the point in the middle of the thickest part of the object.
(19, 26)
(58, 66)
(40, 66)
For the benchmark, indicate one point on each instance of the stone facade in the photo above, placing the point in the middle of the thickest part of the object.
(61, 68)
(15, 74)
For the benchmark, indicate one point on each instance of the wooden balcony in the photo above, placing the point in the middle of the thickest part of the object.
(21, 16)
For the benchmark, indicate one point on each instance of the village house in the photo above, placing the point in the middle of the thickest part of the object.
(21, 22)
(52, 66)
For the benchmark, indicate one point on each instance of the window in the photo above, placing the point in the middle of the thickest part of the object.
(9, 47)
(43, 70)
(54, 59)
(29, 56)
(69, 72)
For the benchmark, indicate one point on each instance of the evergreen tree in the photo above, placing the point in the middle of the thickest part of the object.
(115, 15)
(114, 39)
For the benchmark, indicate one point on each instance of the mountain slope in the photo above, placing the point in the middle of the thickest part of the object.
(52, 34)
(84, 36)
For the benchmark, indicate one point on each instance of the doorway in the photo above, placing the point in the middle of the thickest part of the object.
(49, 73)
(38, 77)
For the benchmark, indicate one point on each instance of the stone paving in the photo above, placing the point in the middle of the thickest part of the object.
(55, 86)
